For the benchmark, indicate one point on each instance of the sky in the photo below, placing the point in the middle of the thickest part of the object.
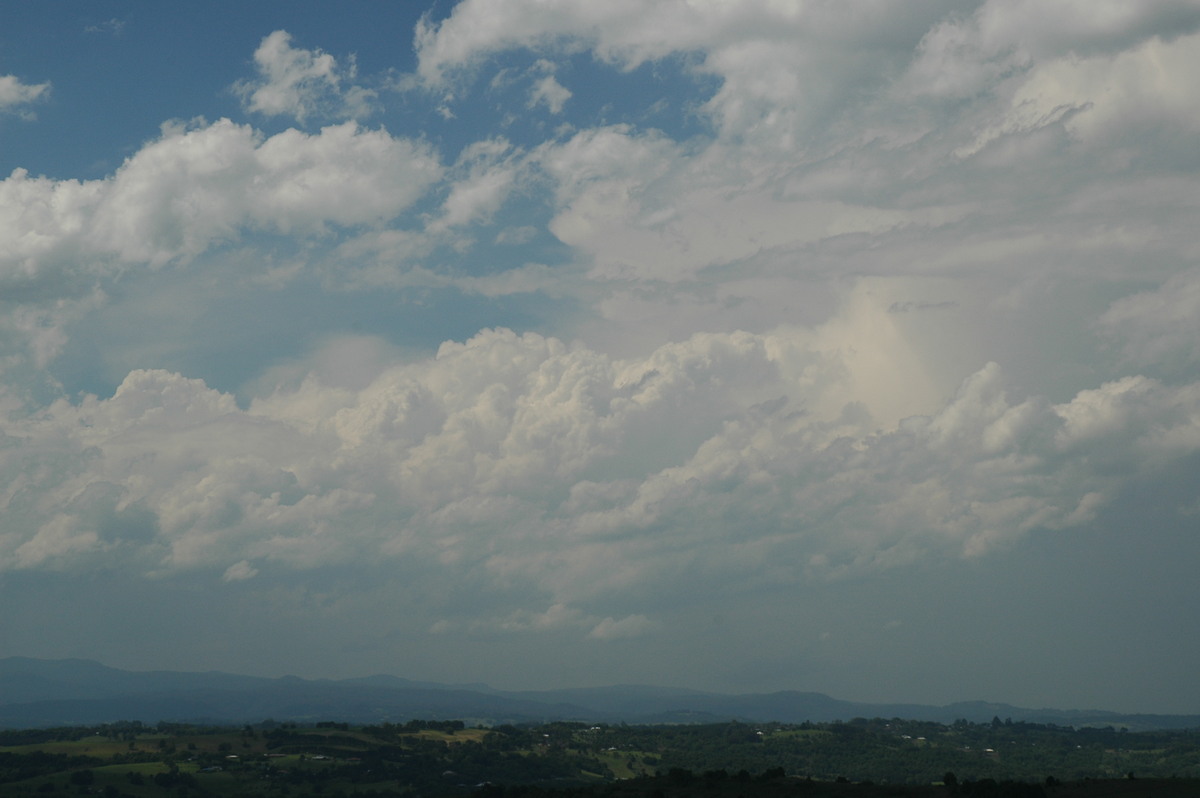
(850, 347)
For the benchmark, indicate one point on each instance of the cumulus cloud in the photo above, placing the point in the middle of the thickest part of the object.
(629, 626)
(1159, 328)
(518, 460)
(15, 93)
(240, 571)
(301, 83)
(838, 148)
(768, 326)
(759, 50)
(547, 90)
(194, 188)
(198, 185)
(486, 172)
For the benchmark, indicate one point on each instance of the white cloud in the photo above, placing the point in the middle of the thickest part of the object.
(557, 616)
(239, 572)
(1135, 92)
(15, 93)
(547, 90)
(641, 211)
(769, 326)
(192, 189)
(960, 57)
(772, 57)
(196, 186)
(111, 26)
(517, 460)
(833, 154)
(487, 171)
(629, 626)
(1159, 328)
(57, 540)
(302, 83)
(39, 216)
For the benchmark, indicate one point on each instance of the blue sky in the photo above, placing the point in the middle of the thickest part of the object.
(825, 346)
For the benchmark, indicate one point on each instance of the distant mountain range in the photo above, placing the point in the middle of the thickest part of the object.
(40, 693)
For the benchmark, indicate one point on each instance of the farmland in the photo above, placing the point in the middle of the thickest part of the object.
(433, 758)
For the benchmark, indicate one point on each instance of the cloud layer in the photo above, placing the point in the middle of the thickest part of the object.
(606, 310)
(518, 460)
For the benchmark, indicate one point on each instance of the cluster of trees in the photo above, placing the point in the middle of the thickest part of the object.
(726, 760)
(900, 751)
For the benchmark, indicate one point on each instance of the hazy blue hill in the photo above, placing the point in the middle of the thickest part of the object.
(36, 692)
(383, 680)
(65, 692)
(623, 700)
(23, 679)
(677, 705)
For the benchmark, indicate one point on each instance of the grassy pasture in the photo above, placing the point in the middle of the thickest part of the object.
(102, 747)
(618, 763)
(459, 736)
